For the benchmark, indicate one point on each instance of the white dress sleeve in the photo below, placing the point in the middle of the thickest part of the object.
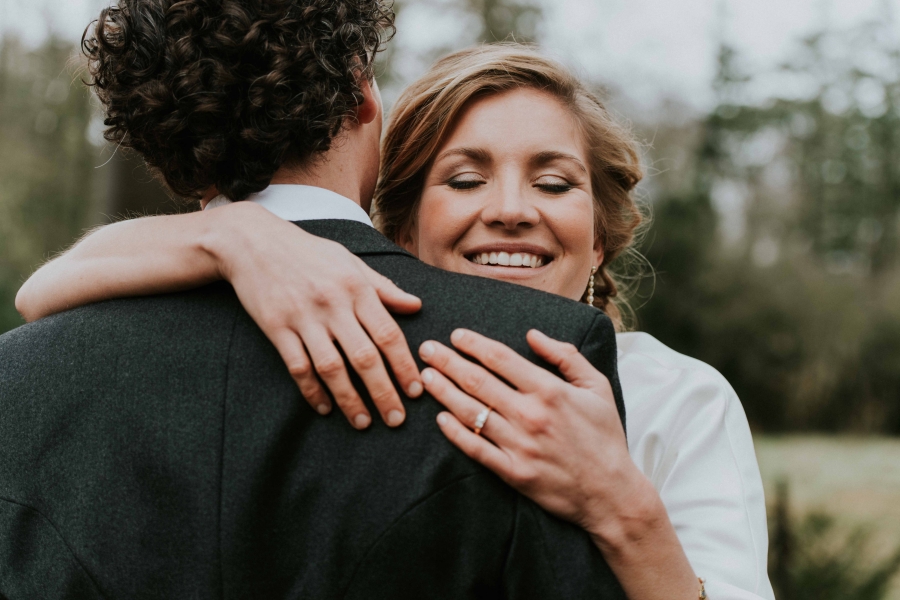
(687, 432)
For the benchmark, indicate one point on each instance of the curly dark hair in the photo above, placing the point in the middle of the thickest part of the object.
(223, 92)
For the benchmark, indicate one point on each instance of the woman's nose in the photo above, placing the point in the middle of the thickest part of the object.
(508, 207)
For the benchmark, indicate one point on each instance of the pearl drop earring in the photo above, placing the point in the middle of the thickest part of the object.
(590, 288)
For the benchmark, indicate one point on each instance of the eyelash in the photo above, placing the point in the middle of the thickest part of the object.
(471, 184)
(464, 184)
(554, 188)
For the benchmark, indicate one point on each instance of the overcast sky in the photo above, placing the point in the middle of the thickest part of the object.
(649, 49)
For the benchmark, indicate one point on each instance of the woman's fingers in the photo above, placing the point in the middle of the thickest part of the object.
(300, 367)
(394, 299)
(329, 364)
(471, 378)
(474, 446)
(389, 338)
(368, 364)
(501, 359)
(570, 362)
(466, 409)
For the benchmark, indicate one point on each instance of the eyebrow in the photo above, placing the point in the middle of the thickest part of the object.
(541, 158)
(476, 154)
(548, 156)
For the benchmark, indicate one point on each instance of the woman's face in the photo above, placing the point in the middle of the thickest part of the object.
(509, 197)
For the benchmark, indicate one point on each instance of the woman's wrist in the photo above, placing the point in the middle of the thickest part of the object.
(225, 234)
(633, 515)
(640, 545)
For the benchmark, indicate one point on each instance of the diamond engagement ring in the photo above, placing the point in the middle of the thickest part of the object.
(481, 419)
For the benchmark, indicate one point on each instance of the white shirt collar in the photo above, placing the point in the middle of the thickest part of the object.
(302, 203)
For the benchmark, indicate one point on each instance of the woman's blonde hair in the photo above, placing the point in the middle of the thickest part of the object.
(425, 114)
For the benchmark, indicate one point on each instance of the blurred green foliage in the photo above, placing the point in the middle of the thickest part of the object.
(775, 245)
(46, 161)
(810, 559)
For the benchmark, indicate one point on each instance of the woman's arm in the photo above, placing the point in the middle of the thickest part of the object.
(150, 255)
(690, 437)
(305, 293)
(561, 444)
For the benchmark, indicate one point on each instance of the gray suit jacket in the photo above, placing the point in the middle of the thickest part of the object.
(157, 448)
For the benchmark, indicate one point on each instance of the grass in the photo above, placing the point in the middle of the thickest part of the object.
(856, 481)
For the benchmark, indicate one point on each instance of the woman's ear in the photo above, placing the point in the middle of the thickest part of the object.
(370, 107)
(598, 251)
(408, 242)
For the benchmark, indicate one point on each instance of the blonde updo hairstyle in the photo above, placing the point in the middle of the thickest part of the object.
(426, 112)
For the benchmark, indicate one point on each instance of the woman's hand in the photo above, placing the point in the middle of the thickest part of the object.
(310, 295)
(561, 444)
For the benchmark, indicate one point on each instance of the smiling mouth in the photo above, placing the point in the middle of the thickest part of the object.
(506, 259)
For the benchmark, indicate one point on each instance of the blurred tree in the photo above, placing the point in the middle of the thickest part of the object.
(46, 161)
(492, 21)
(506, 19)
(775, 257)
(832, 157)
(133, 190)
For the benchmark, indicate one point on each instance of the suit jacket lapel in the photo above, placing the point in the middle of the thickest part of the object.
(359, 238)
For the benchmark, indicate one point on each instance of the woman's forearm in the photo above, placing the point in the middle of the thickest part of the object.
(150, 255)
(640, 546)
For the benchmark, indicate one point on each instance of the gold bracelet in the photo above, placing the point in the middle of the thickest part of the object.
(702, 594)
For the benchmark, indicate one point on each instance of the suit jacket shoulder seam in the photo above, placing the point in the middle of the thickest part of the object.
(222, 454)
(63, 539)
(589, 330)
(542, 528)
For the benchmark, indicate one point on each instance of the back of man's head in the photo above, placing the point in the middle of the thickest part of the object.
(221, 93)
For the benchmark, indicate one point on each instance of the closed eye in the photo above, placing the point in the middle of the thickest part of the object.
(465, 183)
(554, 188)
(553, 185)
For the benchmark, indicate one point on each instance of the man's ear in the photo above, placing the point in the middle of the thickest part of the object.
(367, 110)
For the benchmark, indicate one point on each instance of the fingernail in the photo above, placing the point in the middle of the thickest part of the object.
(427, 376)
(442, 419)
(457, 335)
(361, 421)
(415, 389)
(323, 409)
(426, 350)
(394, 418)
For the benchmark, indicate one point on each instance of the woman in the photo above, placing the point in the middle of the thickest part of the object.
(495, 147)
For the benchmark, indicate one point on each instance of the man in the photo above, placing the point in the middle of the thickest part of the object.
(158, 448)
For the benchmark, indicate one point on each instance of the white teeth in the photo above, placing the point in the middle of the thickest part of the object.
(516, 259)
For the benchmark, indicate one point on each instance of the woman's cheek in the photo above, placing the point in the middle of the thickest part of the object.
(436, 229)
(578, 240)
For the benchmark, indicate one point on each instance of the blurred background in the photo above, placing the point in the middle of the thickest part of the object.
(771, 138)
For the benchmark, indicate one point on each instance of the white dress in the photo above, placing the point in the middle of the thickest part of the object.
(687, 432)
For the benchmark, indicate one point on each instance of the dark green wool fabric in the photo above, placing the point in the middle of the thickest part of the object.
(157, 448)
